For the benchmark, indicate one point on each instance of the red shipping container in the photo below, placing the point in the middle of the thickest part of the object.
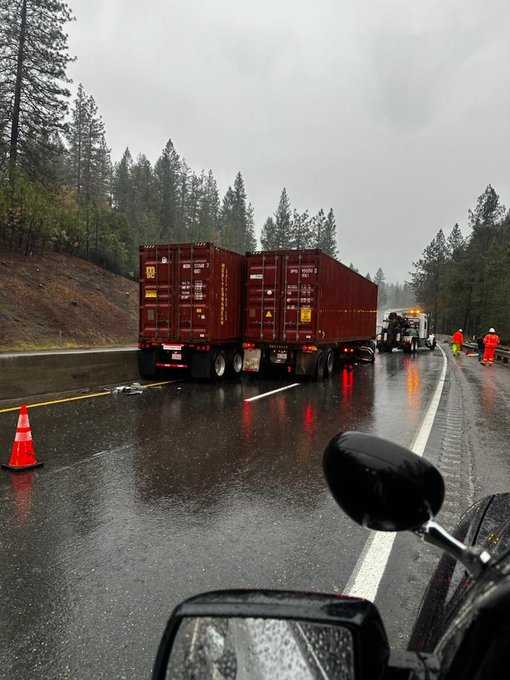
(302, 297)
(190, 297)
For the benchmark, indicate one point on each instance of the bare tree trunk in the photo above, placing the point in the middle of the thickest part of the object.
(13, 149)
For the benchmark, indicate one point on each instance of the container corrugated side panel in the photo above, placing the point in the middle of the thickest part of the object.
(263, 293)
(194, 274)
(348, 303)
(226, 295)
(306, 296)
(157, 292)
(190, 293)
(300, 299)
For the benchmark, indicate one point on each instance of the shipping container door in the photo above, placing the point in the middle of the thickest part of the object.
(263, 297)
(157, 288)
(300, 286)
(193, 267)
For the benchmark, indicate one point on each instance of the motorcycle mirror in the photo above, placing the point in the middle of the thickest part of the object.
(382, 485)
(258, 635)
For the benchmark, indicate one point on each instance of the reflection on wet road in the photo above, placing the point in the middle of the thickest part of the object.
(145, 500)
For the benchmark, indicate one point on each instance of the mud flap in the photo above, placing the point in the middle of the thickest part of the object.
(147, 363)
(201, 365)
(306, 363)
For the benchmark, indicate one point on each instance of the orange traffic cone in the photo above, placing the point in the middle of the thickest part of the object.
(23, 453)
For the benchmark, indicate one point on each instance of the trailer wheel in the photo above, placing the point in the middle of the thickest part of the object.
(330, 362)
(320, 367)
(236, 364)
(218, 365)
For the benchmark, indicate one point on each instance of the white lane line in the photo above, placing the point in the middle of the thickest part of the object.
(268, 394)
(368, 572)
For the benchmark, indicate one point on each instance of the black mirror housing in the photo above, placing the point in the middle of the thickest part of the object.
(381, 485)
(360, 617)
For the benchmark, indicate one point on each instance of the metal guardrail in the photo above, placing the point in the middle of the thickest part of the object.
(502, 353)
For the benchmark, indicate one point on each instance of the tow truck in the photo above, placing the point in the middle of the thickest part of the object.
(406, 329)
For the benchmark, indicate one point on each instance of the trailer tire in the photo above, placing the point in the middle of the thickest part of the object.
(218, 365)
(330, 362)
(320, 367)
(236, 364)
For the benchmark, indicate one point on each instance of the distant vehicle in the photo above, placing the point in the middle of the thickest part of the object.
(406, 329)
(305, 311)
(190, 310)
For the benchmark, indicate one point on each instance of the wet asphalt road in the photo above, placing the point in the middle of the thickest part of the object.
(145, 500)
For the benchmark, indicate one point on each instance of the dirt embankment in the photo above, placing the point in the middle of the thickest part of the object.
(58, 301)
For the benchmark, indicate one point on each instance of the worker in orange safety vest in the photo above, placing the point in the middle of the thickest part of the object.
(457, 342)
(491, 342)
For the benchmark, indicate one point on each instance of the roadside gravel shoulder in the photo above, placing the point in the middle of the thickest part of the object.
(470, 444)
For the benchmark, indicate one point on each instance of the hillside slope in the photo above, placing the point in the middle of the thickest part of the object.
(55, 301)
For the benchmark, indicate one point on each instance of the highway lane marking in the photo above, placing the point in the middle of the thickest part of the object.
(93, 395)
(368, 572)
(268, 394)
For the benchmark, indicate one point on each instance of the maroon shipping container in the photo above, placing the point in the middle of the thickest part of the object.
(304, 301)
(190, 302)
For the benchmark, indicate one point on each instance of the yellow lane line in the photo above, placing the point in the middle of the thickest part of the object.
(106, 393)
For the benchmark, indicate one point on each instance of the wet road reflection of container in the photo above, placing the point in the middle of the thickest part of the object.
(145, 500)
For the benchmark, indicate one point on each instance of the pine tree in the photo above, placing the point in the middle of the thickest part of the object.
(93, 147)
(193, 201)
(251, 241)
(488, 210)
(268, 235)
(166, 177)
(33, 60)
(326, 239)
(181, 232)
(208, 219)
(301, 230)
(240, 215)
(237, 232)
(283, 223)
(227, 221)
(318, 226)
(143, 217)
(427, 280)
(456, 242)
(122, 185)
(76, 137)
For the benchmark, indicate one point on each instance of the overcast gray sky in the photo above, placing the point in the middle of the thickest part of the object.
(395, 113)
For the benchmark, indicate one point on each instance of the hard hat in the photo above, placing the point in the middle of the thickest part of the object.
(491, 330)
(460, 330)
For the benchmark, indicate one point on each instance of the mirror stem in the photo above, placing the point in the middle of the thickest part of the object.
(475, 559)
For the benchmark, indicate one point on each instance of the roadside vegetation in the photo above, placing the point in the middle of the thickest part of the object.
(60, 301)
(464, 280)
(61, 191)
